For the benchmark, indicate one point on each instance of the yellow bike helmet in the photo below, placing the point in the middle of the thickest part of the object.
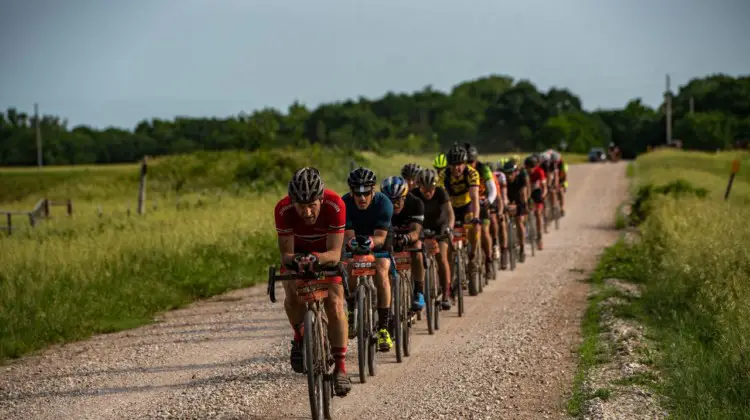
(440, 161)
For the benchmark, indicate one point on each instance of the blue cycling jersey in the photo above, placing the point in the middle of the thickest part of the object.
(376, 216)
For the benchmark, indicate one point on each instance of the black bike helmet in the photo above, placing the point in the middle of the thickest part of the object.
(457, 155)
(510, 166)
(361, 177)
(306, 185)
(530, 162)
(428, 178)
(471, 153)
(410, 171)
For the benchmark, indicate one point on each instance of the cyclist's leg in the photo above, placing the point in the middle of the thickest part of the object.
(521, 225)
(474, 234)
(444, 271)
(417, 275)
(338, 334)
(295, 312)
(486, 238)
(563, 190)
(502, 233)
(539, 211)
(383, 284)
(494, 230)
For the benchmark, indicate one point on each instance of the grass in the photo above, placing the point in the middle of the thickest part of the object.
(693, 262)
(102, 271)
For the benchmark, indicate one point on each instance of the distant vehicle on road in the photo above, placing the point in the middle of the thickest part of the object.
(597, 154)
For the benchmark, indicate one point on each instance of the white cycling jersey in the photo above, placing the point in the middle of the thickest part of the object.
(503, 181)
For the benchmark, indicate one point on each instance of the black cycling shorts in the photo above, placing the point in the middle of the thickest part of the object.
(461, 213)
(521, 208)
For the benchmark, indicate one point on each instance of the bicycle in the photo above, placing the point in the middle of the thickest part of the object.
(460, 256)
(531, 233)
(432, 289)
(405, 294)
(312, 288)
(363, 261)
(509, 219)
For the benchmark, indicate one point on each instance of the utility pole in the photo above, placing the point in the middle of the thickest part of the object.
(38, 136)
(692, 106)
(668, 109)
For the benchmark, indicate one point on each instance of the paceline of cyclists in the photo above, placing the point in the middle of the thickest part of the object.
(483, 201)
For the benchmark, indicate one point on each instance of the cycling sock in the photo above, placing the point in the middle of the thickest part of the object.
(297, 332)
(418, 287)
(339, 358)
(383, 314)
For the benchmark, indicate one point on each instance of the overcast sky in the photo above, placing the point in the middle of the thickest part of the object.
(107, 62)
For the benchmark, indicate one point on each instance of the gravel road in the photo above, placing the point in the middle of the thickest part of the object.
(511, 356)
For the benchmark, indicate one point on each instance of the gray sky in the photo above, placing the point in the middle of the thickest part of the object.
(107, 62)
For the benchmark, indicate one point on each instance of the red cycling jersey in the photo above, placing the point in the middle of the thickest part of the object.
(311, 238)
(536, 176)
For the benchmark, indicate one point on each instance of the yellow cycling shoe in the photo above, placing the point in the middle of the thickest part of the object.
(384, 340)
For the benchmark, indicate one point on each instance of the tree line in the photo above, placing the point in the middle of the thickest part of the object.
(497, 113)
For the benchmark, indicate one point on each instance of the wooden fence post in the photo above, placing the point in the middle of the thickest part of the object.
(69, 205)
(45, 206)
(142, 187)
(32, 220)
(10, 225)
(735, 169)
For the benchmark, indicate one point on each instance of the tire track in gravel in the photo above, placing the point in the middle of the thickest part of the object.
(510, 356)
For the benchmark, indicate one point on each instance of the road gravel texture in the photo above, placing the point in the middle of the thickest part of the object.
(511, 356)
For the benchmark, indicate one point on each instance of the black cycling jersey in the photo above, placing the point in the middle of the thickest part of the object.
(515, 186)
(413, 212)
(434, 217)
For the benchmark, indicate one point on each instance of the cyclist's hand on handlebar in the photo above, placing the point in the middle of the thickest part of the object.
(401, 240)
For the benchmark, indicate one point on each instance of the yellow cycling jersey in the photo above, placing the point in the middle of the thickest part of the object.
(458, 187)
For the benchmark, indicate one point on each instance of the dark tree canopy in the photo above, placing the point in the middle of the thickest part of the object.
(496, 113)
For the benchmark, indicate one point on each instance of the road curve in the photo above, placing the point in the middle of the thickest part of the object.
(510, 356)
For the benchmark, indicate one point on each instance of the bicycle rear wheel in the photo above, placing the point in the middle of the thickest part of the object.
(363, 333)
(407, 294)
(531, 231)
(371, 341)
(396, 313)
(436, 293)
(512, 234)
(557, 215)
(428, 295)
(313, 364)
(460, 277)
(328, 376)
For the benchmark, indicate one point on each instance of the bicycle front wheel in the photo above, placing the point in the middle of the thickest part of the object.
(363, 333)
(313, 365)
(428, 295)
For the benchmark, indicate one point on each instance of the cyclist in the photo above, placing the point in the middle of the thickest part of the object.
(461, 182)
(502, 200)
(562, 179)
(409, 173)
(538, 183)
(406, 224)
(518, 198)
(368, 215)
(440, 162)
(487, 195)
(310, 224)
(438, 217)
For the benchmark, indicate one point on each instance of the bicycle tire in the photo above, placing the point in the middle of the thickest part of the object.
(557, 216)
(511, 243)
(438, 294)
(531, 232)
(363, 333)
(460, 273)
(407, 293)
(328, 377)
(371, 341)
(396, 314)
(312, 366)
(473, 278)
(428, 295)
(481, 266)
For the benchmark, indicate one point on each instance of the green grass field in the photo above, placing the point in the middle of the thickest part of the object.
(75, 276)
(693, 261)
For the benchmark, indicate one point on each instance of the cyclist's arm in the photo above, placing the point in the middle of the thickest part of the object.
(286, 248)
(415, 227)
(474, 193)
(491, 190)
(448, 209)
(334, 243)
(524, 194)
(378, 238)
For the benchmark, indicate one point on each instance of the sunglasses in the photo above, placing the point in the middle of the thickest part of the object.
(362, 193)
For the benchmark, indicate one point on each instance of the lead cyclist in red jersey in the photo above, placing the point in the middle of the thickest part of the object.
(310, 223)
(538, 182)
